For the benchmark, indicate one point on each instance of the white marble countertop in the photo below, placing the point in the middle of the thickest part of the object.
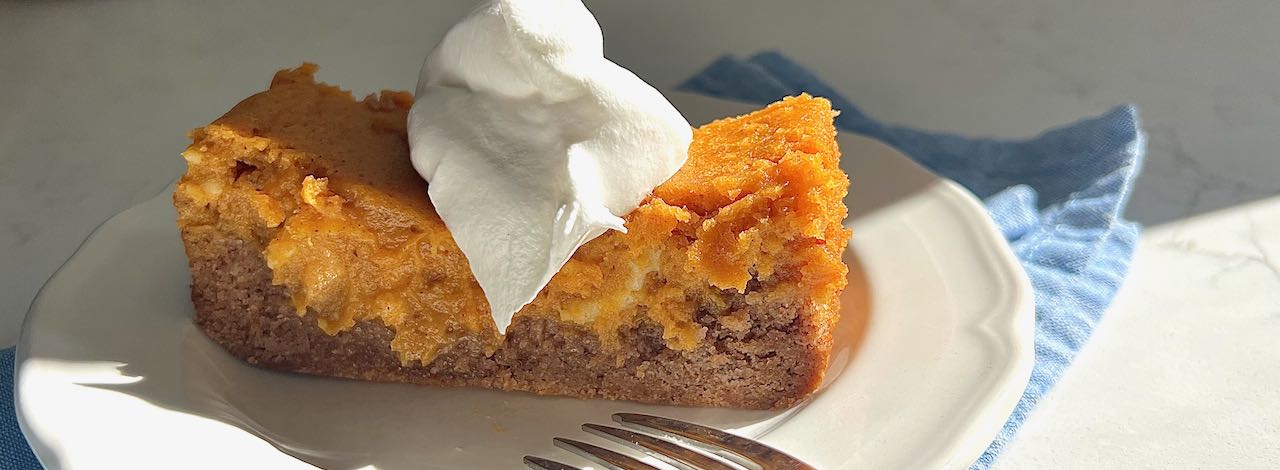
(95, 98)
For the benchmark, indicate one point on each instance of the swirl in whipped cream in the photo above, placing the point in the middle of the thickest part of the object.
(532, 143)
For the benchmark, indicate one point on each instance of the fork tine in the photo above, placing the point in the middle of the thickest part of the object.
(539, 463)
(680, 457)
(740, 450)
(601, 455)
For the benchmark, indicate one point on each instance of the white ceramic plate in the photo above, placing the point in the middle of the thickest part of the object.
(934, 349)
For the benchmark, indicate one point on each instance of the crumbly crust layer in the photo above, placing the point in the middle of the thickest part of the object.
(772, 365)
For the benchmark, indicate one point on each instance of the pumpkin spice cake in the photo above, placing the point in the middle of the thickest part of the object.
(314, 248)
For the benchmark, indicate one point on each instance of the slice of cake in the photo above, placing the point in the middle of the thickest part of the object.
(314, 248)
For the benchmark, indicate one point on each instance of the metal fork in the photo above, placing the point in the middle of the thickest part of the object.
(683, 445)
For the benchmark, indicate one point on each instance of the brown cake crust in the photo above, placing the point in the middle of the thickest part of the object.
(765, 367)
(314, 249)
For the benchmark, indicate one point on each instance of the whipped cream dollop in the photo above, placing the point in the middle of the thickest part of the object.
(532, 143)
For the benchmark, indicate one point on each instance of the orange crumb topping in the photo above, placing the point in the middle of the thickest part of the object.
(324, 184)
